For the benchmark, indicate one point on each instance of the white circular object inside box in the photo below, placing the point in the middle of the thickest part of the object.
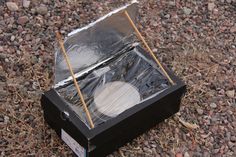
(115, 97)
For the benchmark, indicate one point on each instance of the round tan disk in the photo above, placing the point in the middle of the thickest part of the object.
(113, 98)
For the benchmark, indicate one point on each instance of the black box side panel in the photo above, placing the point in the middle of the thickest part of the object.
(52, 116)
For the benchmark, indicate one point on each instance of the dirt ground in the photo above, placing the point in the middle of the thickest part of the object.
(196, 39)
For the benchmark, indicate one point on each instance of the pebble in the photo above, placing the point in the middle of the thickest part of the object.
(154, 50)
(233, 29)
(178, 155)
(199, 111)
(26, 3)
(12, 6)
(213, 105)
(3, 55)
(22, 20)
(46, 1)
(43, 10)
(216, 151)
(186, 154)
(187, 11)
(6, 119)
(167, 16)
(1, 49)
(231, 144)
(233, 138)
(154, 23)
(6, 60)
(2, 79)
(1, 119)
(211, 6)
(230, 93)
(171, 3)
(153, 146)
(13, 38)
(206, 154)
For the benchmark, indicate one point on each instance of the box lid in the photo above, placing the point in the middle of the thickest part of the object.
(95, 43)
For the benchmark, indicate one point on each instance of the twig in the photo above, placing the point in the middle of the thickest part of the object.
(146, 45)
(60, 41)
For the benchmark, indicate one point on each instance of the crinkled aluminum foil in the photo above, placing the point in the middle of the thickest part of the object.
(90, 46)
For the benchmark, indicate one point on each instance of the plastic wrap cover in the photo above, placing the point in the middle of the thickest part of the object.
(89, 46)
(119, 84)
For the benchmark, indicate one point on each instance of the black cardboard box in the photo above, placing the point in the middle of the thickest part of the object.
(117, 131)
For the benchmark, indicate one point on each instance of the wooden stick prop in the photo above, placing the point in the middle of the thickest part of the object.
(61, 43)
(146, 45)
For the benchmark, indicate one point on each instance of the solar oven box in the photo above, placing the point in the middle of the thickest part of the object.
(125, 91)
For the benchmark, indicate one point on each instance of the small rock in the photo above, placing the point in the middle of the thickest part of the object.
(1, 49)
(13, 38)
(46, 1)
(172, 3)
(154, 50)
(228, 1)
(199, 74)
(3, 56)
(206, 154)
(2, 79)
(186, 154)
(167, 16)
(157, 155)
(153, 146)
(211, 6)
(12, 6)
(43, 10)
(216, 151)
(26, 3)
(1, 119)
(22, 20)
(233, 138)
(213, 105)
(179, 155)
(18, 52)
(146, 143)
(6, 60)
(222, 92)
(187, 11)
(154, 23)
(231, 144)
(6, 119)
(199, 111)
(230, 93)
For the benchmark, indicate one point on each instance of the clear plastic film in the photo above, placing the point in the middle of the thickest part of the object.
(119, 84)
(113, 72)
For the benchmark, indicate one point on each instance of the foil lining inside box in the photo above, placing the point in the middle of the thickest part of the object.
(120, 83)
(112, 71)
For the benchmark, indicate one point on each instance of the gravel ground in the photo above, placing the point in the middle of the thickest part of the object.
(197, 39)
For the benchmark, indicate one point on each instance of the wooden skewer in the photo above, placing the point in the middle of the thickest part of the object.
(60, 41)
(146, 45)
